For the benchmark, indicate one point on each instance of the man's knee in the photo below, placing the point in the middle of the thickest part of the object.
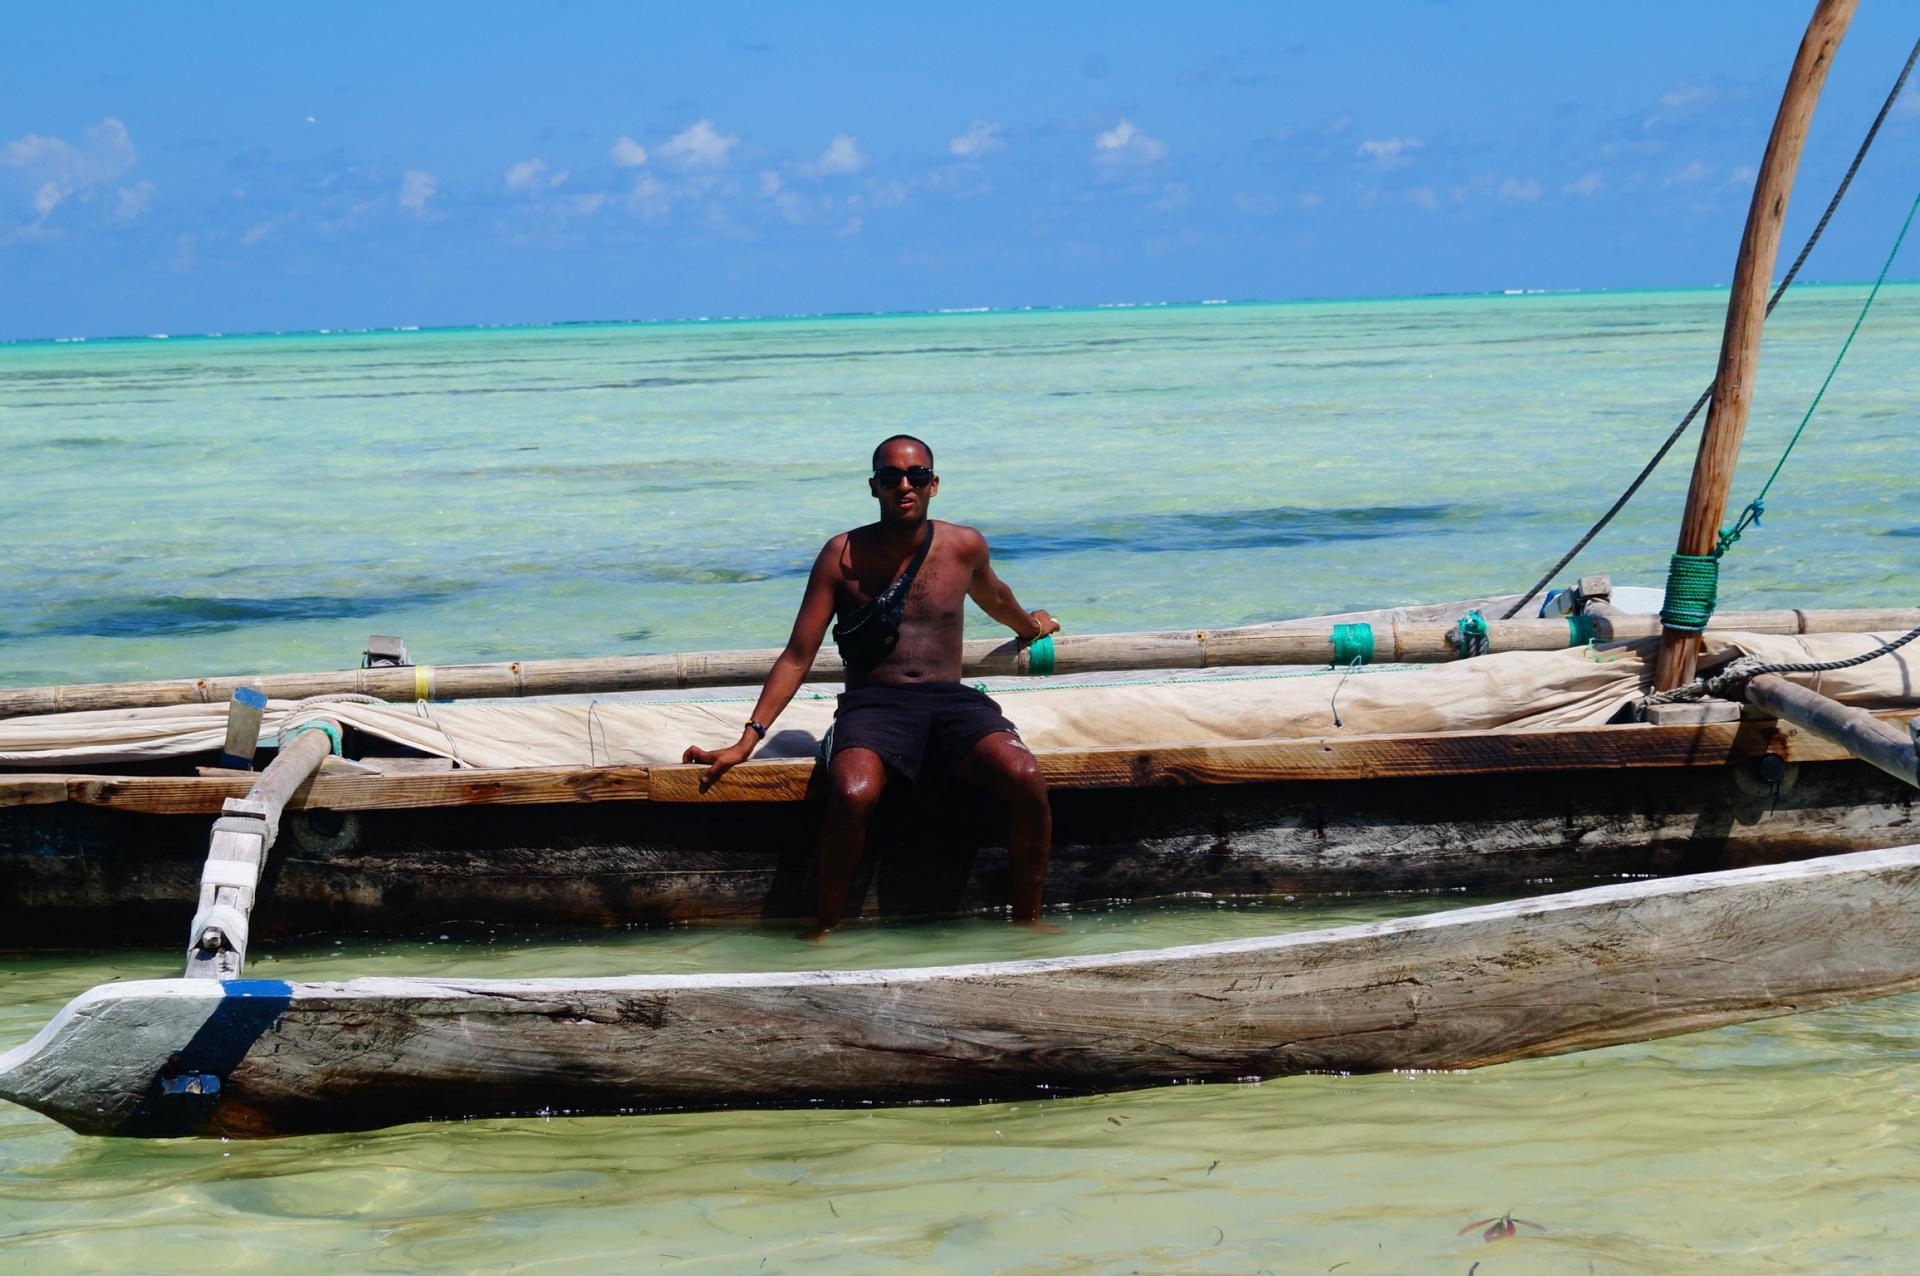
(854, 790)
(1017, 772)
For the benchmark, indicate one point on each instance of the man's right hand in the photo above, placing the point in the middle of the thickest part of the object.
(718, 762)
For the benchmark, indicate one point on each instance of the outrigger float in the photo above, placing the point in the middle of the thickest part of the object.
(1727, 819)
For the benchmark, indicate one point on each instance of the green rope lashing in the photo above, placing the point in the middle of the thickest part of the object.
(1580, 630)
(1352, 644)
(1472, 639)
(1040, 656)
(1693, 587)
(333, 735)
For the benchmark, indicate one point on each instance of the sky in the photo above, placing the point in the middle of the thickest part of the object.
(228, 168)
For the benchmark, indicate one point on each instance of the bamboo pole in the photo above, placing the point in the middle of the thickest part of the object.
(1424, 642)
(1719, 451)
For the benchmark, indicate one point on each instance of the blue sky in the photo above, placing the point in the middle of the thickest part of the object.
(171, 168)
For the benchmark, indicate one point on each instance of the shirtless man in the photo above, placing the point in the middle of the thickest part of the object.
(908, 708)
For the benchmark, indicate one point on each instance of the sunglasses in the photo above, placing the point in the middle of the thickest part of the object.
(890, 476)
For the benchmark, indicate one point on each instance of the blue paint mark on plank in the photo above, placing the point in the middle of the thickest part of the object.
(251, 698)
(184, 1094)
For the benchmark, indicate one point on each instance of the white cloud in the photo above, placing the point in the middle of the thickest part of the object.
(1591, 184)
(1695, 171)
(133, 200)
(769, 183)
(650, 198)
(532, 175)
(1389, 152)
(1125, 144)
(1425, 198)
(416, 188)
(628, 153)
(1311, 199)
(259, 232)
(981, 138)
(58, 169)
(1515, 191)
(1677, 102)
(699, 146)
(843, 155)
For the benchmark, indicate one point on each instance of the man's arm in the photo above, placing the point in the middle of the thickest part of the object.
(993, 596)
(790, 667)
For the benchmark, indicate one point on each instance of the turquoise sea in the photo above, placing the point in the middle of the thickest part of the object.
(238, 504)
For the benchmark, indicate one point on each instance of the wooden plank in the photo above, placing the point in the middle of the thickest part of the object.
(1458, 989)
(1856, 731)
(182, 795)
(32, 790)
(243, 729)
(1121, 766)
(1747, 314)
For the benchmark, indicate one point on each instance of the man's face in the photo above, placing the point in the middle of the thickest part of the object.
(893, 483)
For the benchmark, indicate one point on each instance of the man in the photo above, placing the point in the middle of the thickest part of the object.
(899, 587)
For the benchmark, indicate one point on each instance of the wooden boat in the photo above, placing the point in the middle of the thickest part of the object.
(91, 857)
(1456, 989)
(1796, 773)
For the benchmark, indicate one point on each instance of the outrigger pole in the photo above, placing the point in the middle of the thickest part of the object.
(1693, 574)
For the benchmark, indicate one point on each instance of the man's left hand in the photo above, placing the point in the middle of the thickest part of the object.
(1048, 625)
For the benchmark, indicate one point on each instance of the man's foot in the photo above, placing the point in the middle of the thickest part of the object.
(814, 936)
(1039, 927)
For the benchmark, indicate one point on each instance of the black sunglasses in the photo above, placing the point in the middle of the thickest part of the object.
(890, 475)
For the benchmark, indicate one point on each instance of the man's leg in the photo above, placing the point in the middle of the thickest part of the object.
(855, 780)
(1001, 764)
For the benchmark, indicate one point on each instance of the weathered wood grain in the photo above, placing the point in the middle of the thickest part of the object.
(787, 780)
(118, 877)
(1858, 732)
(1719, 452)
(1459, 989)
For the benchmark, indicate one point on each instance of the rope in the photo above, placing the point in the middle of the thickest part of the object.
(1352, 645)
(1786, 281)
(1580, 630)
(1750, 516)
(1693, 587)
(1737, 673)
(1040, 656)
(333, 735)
(1470, 639)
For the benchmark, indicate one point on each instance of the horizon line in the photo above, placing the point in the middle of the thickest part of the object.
(941, 311)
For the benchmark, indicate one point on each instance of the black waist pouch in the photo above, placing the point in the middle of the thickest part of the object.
(867, 633)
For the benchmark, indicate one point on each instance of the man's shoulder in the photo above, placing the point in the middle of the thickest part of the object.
(961, 537)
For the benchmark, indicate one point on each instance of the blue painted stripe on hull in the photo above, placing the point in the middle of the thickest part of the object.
(188, 1089)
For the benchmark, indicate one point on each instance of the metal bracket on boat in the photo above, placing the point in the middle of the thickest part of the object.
(217, 939)
(385, 651)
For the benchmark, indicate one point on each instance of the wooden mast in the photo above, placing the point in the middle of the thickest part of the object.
(1746, 313)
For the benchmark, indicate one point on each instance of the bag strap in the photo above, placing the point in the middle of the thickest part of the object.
(919, 557)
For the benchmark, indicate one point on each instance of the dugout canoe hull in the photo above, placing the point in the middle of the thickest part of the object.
(98, 860)
(1458, 989)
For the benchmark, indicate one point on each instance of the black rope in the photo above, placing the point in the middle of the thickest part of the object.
(1786, 280)
(1740, 671)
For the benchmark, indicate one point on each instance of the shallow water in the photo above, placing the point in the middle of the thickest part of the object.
(234, 504)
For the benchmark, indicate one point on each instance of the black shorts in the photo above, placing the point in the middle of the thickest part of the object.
(909, 724)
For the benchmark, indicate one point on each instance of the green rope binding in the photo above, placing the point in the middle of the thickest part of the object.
(1040, 656)
(1472, 638)
(1352, 644)
(1693, 587)
(1580, 630)
(333, 735)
